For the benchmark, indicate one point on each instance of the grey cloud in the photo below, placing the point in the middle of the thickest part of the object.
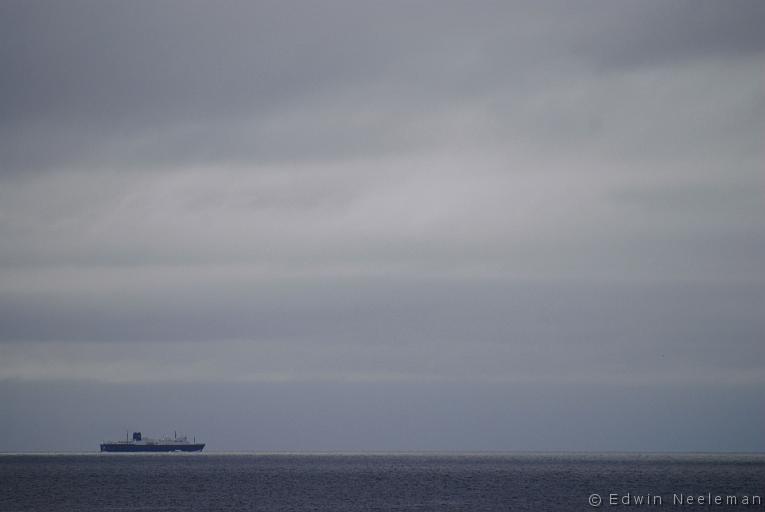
(651, 33)
(107, 84)
(399, 194)
(415, 329)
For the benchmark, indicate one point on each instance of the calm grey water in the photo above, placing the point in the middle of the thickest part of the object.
(210, 482)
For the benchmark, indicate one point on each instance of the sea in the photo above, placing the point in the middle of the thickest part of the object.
(381, 482)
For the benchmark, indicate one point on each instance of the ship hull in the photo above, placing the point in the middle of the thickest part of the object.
(124, 447)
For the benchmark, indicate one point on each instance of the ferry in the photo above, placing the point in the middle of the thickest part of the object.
(147, 444)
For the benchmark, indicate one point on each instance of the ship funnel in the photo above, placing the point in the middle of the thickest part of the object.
(136, 436)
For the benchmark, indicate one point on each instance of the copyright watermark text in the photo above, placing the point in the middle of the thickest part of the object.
(613, 499)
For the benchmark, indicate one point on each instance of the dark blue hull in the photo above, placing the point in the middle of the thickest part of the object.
(125, 447)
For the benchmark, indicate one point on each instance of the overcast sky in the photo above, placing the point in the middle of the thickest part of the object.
(349, 225)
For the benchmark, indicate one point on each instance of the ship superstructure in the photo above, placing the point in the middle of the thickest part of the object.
(146, 444)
